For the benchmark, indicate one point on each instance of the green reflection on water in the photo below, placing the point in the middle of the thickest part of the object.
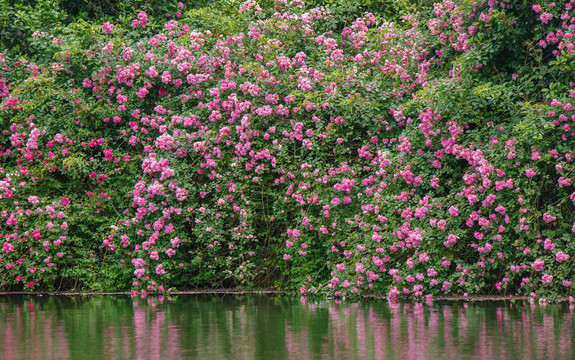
(278, 327)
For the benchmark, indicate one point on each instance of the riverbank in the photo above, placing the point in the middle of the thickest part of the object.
(451, 298)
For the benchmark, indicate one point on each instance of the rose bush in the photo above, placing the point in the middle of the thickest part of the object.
(276, 147)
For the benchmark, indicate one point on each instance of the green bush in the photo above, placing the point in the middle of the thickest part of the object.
(291, 146)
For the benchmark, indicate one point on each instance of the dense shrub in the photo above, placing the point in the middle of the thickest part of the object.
(286, 146)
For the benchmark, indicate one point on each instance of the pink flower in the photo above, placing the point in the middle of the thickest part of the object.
(546, 279)
(453, 211)
(564, 182)
(65, 201)
(108, 27)
(484, 17)
(143, 17)
(142, 92)
(538, 264)
(170, 252)
(529, 173)
(160, 270)
(434, 182)
(560, 256)
(286, 257)
(393, 294)
(537, 8)
(548, 218)
(545, 17)
(451, 240)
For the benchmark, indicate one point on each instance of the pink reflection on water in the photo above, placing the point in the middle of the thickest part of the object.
(30, 332)
(380, 329)
(297, 344)
(43, 339)
(362, 333)
(307, 330)
(565, 343)
(413, 331)
(153, 335)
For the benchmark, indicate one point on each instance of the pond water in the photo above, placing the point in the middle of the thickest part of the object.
(279, 327)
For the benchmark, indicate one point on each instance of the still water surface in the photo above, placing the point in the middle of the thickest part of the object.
(279, 327)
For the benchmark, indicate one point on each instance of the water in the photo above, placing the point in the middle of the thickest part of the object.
(278, 327)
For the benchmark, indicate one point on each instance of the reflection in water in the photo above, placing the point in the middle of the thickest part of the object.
(263, 327)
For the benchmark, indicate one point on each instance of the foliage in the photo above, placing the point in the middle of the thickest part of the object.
(286, 145)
